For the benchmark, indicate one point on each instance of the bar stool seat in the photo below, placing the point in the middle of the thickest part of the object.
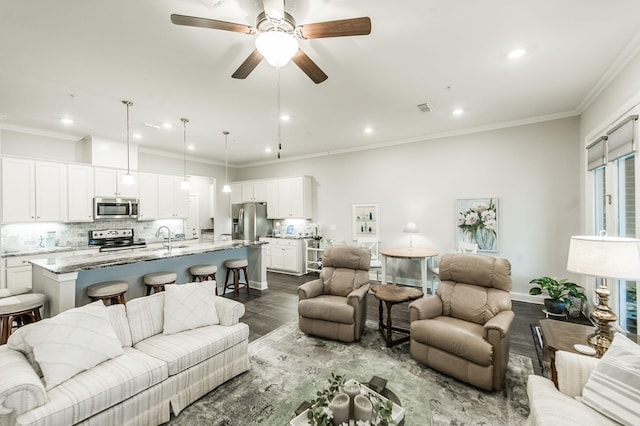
(156, 281)
(22, 309)
(112, 291)
(201, 273)
(235, 266)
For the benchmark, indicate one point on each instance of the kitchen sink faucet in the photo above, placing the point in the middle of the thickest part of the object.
(168, 238)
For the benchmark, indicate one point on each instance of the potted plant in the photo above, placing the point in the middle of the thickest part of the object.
(560, 293)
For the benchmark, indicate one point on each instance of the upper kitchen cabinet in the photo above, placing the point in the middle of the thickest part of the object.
(236, 193)
(272, 199)
(80, 188)
(108, 183)
(33, 191)
(254, 191)
(294, 197)
(148, 201)
(173, 202)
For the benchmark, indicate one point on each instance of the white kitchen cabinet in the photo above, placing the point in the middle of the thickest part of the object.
(272, 199)
(148, 200)
(254, 191)
(33, 191)
(80, 190)
(236, 193)
(294, 197)
(17, 269)
(108, 183)
(173, 202)
(287, 256)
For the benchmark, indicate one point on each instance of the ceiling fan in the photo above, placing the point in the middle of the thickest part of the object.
(275, 23)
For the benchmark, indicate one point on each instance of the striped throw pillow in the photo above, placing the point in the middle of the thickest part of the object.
(613, 388)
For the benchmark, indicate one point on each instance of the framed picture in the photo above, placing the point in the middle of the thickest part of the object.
(477, 222)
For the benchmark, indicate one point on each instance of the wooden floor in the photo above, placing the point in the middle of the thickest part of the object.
(267, 310)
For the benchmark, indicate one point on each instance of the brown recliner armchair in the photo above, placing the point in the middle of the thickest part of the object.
(335, 305)
(463, 330)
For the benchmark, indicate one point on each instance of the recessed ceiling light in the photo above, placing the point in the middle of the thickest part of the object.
(267, 150)
(191, 147)
(368, 130)
(516, 53)
(457, 111)
(167, 125)
(66, 120)
(153, 126)
(137, 136)
(285, 117)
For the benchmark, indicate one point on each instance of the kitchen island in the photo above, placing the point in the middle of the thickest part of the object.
(64, 279)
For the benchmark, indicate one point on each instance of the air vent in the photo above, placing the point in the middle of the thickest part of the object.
(425, 107)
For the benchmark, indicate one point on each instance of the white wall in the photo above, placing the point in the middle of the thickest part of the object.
(532, 169)
(42, 147)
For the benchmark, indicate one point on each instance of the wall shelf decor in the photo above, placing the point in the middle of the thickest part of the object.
(365, 219)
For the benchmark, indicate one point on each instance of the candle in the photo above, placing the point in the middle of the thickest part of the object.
(339, 405)
(351, 389)
(363, 409)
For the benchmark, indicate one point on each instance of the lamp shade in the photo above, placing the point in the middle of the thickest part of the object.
(605, 257)
(411, 228)
(277, 47)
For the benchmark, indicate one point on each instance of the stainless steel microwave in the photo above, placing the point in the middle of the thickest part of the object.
(115, 208)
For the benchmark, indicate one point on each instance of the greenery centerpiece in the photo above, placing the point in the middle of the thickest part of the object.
(561, 293)
(319, 414)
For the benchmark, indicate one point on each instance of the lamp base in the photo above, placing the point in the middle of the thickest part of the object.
(603, 317)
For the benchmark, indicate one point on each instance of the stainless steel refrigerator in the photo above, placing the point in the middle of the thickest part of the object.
(249, 221)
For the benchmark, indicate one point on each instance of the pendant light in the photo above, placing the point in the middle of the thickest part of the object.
(128, 178)
(185, 183)
(226, 187)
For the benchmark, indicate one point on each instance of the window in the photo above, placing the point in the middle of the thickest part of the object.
(626, 211)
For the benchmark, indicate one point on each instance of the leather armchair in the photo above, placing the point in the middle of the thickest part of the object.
(463, 330)
(335, 305)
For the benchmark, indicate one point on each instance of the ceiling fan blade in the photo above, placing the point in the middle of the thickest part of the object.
(194, 21)
(248, 65)
(274, 9)
(342, 28)
(309, 67)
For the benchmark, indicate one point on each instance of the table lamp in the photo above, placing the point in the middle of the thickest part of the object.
(604, 257)
(411, 228)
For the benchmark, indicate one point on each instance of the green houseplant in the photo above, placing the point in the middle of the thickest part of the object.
(560, 293)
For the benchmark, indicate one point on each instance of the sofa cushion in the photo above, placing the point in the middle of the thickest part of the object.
(71, 342)
(327, 308)
(120, 323)
(99, 388)
(146, 316)
(183, 350)
(461, 338)
(613, 388)
(189, 306)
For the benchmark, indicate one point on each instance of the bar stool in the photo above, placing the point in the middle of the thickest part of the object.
(201, 273)
(19, 308)
(236, 265)
(157, 280)
(112, 291)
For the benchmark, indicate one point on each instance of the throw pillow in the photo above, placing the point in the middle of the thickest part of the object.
(72, 341)
(613, 388)
(189, 306)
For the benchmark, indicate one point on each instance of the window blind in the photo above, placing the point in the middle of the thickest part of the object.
(621, 138)
(596, 153)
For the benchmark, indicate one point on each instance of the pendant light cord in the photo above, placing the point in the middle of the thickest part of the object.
(279, 118)
(128, 104)
(184, 139)
(226, 173)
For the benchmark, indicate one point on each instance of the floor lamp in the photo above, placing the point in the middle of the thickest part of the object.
(604, 257)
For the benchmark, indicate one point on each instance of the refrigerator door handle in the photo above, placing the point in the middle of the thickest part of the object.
(241, 222)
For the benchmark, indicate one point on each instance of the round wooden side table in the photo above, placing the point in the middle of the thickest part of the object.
(391, 295)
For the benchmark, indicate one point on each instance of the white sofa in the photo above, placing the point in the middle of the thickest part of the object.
(590, 391)
(156, 373)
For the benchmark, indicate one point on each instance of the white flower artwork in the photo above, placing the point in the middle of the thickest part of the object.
(477, 222)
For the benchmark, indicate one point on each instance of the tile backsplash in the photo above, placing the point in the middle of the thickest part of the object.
(26, 237)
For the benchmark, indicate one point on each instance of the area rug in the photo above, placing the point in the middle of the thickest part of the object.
(286, 362)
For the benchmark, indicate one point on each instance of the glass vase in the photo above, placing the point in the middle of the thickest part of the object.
(485, 238)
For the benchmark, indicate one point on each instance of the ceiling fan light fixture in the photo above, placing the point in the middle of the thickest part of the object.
(277, 47)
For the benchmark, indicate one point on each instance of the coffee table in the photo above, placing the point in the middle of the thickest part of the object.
(391, 295)
(413, 399)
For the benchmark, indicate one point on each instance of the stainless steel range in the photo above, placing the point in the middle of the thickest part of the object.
(115, 239)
